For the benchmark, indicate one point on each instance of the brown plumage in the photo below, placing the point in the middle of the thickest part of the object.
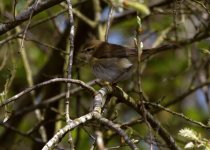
(108, 50)
(112, 62)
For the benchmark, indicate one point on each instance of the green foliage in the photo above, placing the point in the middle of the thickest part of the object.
(165, 23)
(164, 76)
(141, 8)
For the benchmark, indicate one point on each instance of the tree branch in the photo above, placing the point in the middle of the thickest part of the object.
(15, 97)
(25, 15)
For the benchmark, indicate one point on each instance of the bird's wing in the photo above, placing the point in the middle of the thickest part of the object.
(107, 50)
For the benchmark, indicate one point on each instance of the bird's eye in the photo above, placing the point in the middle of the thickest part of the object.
(88, 49)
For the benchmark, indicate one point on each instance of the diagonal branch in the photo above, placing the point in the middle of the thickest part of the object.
(63, 131)
(116, 128)
(25, 15)
(155, 124)
(74, 81)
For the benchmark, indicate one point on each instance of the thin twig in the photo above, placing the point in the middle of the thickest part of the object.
(155, 124)
(14, 130)
(29, 78)
(117, 128)
(97, 14)
(139, 46)
(184, 95)
(14, 8)
(74, 81)
(25, 15)
(177, 114)
(51, 100)
(5, 58)
(78, 14)
(70, 63)
(38, 23)
(46, 45)
(28, 69)
(70, 59)
(109, 21)
(202, 5)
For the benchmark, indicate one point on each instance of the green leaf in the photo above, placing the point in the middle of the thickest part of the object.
(205, 51)
(141, 8)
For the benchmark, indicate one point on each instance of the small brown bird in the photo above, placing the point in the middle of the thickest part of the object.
(111, 62)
